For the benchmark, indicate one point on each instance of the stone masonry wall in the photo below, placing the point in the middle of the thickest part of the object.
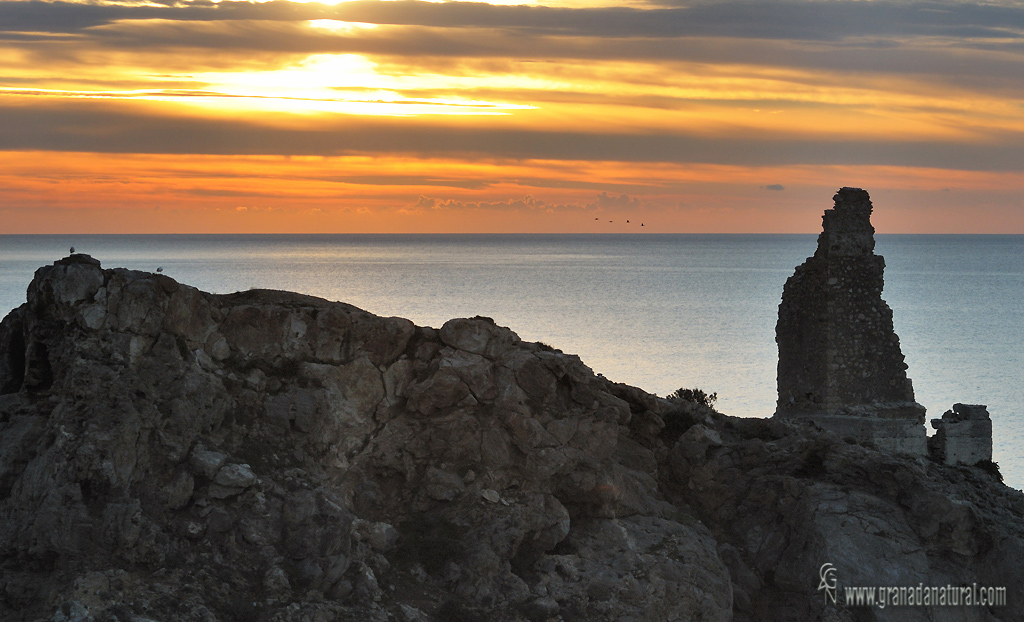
(838, 353)
(962, 436)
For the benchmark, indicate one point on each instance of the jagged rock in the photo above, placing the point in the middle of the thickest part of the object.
(235, 476)
(286, 447)
(179, 491)
(231, 480)
(382, 537)
(442, 485)
(167, 453)
(207, 463)
(782, 499)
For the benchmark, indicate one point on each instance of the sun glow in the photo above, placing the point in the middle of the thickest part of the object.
(336, 83)
(324, 2)
(334, 25)
(322, 83)
(503, 113)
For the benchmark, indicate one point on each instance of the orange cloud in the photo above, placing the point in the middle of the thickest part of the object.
(45, 191)
(419, 116)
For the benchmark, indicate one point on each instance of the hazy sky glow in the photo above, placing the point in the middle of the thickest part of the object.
(409, 116)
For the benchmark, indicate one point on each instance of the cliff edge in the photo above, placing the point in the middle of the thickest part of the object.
(168, 454)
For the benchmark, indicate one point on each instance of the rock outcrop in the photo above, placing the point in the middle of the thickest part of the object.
(840, 362)
(168, 454)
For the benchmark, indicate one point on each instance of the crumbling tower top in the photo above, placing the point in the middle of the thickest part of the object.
(846, 228)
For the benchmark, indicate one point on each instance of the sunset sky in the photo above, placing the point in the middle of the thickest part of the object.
(549, 116)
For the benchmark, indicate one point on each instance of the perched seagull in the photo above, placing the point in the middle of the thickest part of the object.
(160, 269)
(72, 250)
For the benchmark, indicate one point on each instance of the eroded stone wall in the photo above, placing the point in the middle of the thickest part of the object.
(839, 358)
(962, 436)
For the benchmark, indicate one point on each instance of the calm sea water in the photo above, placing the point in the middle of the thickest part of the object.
(657, 311)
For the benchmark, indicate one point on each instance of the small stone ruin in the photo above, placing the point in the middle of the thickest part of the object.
(840, 363)
(962, 436)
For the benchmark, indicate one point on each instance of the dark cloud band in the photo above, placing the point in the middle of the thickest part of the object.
(791, 20)
(965, 45)
(95, 128)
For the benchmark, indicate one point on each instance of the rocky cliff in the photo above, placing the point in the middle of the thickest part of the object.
(168, 454)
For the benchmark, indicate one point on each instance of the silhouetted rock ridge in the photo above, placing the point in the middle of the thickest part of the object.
(172, 455)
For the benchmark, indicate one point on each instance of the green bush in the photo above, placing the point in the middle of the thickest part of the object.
(685, 415)
(696, 396)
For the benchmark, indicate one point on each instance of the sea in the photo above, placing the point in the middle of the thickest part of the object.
(660, 312)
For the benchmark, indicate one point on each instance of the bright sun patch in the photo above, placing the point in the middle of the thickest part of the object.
(340, 26)
(343, 83)
(320, 84)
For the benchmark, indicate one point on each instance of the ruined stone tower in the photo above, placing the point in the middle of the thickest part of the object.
(840, 362)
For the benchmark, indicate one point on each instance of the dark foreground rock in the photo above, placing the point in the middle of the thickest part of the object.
(167, 454)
